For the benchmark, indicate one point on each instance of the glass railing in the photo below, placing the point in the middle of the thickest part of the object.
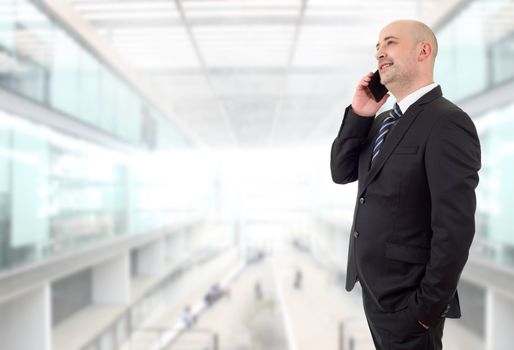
(42, 61)
(476, 50)
(494, 219)
(59, 193)
(502, 58)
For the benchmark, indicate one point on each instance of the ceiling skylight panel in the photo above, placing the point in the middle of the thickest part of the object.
(149, 15)
(210, 29)
(243, 13)
(162, 37)
(124, 6)
(156, 60)
(227, 4)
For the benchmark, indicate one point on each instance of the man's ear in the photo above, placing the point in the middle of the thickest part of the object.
(425, 51)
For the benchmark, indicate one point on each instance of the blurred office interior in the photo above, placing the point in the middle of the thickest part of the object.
(156, 151)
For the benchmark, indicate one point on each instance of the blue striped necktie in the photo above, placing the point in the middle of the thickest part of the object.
(386, 126)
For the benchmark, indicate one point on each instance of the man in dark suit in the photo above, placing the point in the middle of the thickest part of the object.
(417, 167)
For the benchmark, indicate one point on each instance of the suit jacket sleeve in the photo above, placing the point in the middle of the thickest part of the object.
(344, 157)
(452, 160)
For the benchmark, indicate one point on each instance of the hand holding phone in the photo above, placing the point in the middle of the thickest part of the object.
(376, 88)
(367, 101)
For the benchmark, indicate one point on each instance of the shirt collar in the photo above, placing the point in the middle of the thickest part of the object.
(408, 100)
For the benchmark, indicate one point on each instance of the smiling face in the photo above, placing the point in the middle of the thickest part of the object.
(396, 54)
(405, 56)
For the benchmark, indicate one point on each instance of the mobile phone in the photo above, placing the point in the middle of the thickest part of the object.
(376, 88)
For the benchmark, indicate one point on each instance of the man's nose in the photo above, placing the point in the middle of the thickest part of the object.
(379, 54)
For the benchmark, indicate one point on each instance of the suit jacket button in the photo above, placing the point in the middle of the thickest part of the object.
(361, 200)
(355, 234)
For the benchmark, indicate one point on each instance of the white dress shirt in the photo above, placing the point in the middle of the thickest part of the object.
(408, 100)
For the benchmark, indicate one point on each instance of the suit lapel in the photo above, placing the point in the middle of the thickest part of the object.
(394, 138)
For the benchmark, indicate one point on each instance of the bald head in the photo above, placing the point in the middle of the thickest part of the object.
(419, 32)
(406, 52)
(423, 33)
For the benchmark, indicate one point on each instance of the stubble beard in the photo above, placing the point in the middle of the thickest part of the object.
(389, 75)
(394, 78)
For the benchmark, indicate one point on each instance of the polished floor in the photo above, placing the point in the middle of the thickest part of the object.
(262, 309)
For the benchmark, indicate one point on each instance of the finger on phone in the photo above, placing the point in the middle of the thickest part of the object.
(384, 99)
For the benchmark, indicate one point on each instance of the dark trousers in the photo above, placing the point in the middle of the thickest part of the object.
(400, 330)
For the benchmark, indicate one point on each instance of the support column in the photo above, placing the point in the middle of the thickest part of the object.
(111, 281)
(152, 259)
(25, 321)
(499, 320)
(175, 247)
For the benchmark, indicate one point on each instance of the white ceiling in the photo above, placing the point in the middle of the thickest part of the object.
(251, 73)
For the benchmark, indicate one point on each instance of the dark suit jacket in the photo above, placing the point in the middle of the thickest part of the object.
(414, 217)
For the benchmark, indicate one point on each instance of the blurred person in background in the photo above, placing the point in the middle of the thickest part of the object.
(298, 279)
(188, 318)
(257, 289)
(417, 170)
